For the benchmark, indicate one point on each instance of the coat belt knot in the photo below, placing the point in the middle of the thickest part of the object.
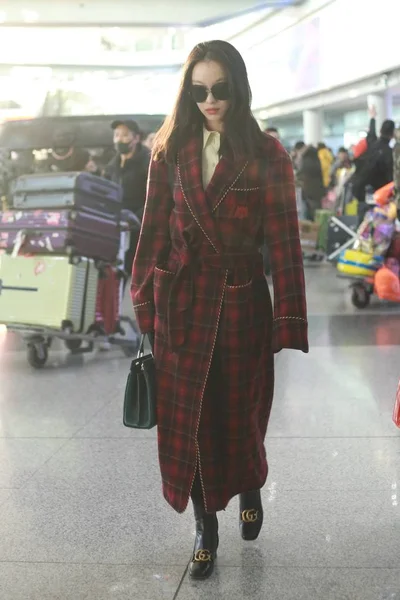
(182, 290)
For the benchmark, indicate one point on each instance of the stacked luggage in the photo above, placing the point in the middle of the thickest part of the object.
(63, 231)
(72, 214)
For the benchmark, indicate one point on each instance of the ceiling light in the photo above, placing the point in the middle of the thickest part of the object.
(353, 94)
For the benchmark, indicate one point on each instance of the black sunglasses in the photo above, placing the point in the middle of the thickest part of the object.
(220, 91)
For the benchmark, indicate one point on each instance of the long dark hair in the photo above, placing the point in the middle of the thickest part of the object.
(311, 165)
(242, 136)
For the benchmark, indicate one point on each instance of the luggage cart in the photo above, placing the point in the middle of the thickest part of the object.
(338, 225)
(314, 256)
(39, 339)
(362, 290)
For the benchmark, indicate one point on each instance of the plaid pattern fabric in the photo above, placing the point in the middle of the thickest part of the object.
(198, 282)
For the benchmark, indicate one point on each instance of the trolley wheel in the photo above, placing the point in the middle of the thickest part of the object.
(73, 345)
(360, 297)
(95, 330)
(75, 260)
(37, 355)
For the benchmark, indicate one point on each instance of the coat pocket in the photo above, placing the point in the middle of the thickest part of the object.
(246, 320)
(236, 306)
(162, 285)
(247, 305)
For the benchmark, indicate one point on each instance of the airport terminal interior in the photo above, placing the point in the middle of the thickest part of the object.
(83, 515)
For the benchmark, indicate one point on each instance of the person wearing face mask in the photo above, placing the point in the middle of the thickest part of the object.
(219, 188)
(129, 168)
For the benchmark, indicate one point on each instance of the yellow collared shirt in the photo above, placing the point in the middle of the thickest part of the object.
(210, 156)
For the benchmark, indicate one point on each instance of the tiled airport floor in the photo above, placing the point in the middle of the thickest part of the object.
(82, 516)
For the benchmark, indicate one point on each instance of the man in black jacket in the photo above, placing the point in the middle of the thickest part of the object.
(129, 168)
(377, 166)
(380, 163)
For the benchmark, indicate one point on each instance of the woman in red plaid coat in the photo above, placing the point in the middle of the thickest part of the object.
(218, 190)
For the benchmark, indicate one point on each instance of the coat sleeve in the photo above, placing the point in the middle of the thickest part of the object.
(153, 245)
(281, 231)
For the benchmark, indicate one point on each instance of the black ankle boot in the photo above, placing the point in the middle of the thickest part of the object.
(206, 542)
(251, 515)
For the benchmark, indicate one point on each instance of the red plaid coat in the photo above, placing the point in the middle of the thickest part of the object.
(198, 282)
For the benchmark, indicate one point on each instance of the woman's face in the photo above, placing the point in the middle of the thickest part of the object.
(207, 74)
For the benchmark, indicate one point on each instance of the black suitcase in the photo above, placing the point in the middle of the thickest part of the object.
(66, 190)
(342, 232)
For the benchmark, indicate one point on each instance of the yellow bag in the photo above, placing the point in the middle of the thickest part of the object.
(351, 208)
(358, 264)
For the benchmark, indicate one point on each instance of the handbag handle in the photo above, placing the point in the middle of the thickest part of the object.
(141, 346)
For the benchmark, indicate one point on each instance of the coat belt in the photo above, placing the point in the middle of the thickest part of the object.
(182, 291)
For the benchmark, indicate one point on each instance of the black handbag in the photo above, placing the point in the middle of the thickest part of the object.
(140, 393)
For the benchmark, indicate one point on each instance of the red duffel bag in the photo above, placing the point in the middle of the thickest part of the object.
(108, 300)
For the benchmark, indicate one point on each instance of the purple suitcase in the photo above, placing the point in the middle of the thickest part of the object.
(56, 191)
(71, 232)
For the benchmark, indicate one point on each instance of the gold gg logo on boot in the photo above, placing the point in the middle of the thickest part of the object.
(250, 516)
(202, 556)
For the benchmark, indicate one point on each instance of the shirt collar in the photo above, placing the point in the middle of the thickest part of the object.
(210, 136)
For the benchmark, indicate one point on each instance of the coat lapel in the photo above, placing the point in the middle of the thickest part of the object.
(225, 176)
(191, 182)
(202, 203)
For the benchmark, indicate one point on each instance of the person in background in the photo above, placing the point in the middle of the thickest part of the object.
(274, 132)
(360, 156)
(129, 168)
(148, 140)
(218, 188)
(64, 156)
(342, 161)
(376, 169)
(379, 167)
(326, 159)
(297, 154)
(309, 176)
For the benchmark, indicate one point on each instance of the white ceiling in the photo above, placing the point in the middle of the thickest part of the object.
(128, 13)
